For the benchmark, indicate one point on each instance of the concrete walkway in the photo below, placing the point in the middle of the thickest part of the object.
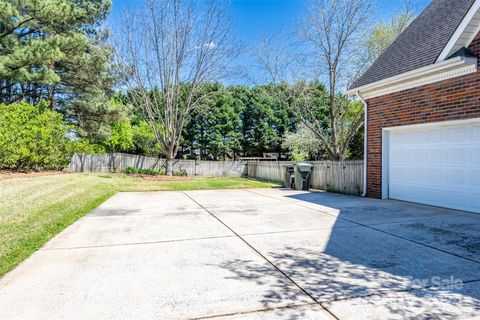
(253, 254)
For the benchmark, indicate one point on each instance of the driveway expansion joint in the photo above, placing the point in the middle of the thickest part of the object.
(386, 292)
(375, 229)
(298, 306)
(294, 230)
(136, 243)
(264, 257)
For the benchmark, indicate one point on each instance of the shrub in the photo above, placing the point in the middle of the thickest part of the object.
(181, 173)
(85, 147)
(32, 137)
(121, 137)
(144, 140)
(153, 172)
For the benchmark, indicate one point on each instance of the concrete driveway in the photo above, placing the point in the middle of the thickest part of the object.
(253, 254)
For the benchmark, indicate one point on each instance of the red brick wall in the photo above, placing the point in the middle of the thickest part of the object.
(452, 99)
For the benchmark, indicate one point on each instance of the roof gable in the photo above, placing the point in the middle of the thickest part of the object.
(422, 43)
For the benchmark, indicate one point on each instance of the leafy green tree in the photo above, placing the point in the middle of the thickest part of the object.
(314, 113)
(121, 137)
(222, 127)
(303, 145)
(144, 141)
(84, 146)
(264, 119)
(33, 137)
(308, 105)
(214, 129)
(355, 151)
(55, 51)
(238, 120)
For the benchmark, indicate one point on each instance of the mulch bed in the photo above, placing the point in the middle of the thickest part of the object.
(161, 177)
(6, 174)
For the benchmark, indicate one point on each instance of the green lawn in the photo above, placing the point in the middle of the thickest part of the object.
(33, 210)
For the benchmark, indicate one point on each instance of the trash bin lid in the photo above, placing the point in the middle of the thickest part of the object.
(304, 167)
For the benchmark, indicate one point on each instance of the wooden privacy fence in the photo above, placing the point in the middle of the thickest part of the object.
(336, 176)
(118, 162)
(341, 176)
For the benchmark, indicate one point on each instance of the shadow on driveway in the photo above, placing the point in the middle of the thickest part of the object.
(400, 260)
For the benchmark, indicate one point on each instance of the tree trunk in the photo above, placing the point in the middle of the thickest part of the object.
(332, 114)
(169, 166)
(170, 154)
(51, 97)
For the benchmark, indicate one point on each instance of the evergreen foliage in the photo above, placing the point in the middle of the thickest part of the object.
(55, 51)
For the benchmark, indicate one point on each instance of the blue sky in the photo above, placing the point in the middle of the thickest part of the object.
(257, 17)
(254, 18)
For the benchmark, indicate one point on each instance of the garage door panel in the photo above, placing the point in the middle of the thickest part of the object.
(436, 136)
(438, 166)
(417, 156)
(456, 178)
(476, 134)
(456, 156)
(404, 192)
(475, 178)
(476, 155)
(397, 174)
(417, 138)
(457, 199)
(434, 156)
(398, 156)
(436, 176)
(457, 134)
(475, 200)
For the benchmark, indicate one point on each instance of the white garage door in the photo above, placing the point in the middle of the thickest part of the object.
(439, 165)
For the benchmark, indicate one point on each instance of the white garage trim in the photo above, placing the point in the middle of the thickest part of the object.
(386, 140)
(451, 123)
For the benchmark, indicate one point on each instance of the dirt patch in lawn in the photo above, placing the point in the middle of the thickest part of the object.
(5, 174)
(161, 177)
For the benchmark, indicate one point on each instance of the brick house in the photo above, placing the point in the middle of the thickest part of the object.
(422, 97)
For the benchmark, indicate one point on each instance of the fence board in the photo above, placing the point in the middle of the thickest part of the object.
(341, 176)
(118, 162)
(221, 168)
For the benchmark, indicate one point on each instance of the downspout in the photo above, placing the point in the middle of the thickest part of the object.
(365, 147)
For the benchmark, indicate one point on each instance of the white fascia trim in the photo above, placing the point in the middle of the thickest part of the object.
(426, 126)
(444, 70)
(446, 52)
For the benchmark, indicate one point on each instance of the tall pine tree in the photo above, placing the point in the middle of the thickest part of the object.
(55, 51)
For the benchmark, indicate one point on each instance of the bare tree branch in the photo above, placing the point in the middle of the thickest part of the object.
(332, 31)
(169, 51)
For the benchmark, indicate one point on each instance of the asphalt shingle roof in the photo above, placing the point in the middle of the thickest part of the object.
(421, 43)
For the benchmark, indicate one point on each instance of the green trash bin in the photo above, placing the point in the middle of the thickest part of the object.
(289, 178)
(302, 176)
